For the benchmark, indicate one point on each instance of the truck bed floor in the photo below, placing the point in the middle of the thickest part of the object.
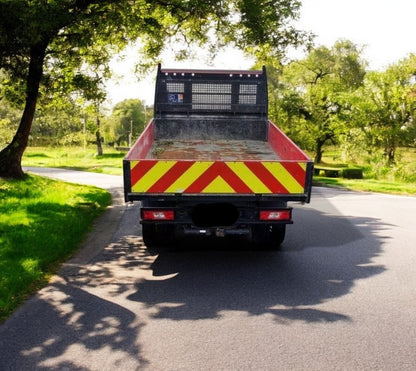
(213, 150)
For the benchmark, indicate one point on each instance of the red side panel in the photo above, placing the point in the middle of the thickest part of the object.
(143, 145)
(283, 146)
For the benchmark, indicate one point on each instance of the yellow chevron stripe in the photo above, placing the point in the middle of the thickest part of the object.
(302, 165)
(152, 176)
(187, 178)
(218, 185)
(248, 177)
(284, 177)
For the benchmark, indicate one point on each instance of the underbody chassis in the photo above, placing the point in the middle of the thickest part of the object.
(262, 222)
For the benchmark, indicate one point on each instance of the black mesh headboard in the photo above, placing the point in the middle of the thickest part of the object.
(210, 92)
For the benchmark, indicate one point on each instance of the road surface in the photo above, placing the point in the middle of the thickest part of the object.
(341, 295)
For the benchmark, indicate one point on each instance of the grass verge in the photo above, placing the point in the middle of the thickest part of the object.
(368, 185)
(76, 158)
(42, 222)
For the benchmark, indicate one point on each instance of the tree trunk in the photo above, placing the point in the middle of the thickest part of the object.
(11, 155)
(98, 138)
(319, 151)
(390, 153)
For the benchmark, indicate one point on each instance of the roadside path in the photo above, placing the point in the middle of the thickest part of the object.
(109, 182)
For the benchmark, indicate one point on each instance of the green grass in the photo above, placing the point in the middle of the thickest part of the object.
(369, 185)
(75, 158)
(42, 222)
(397, 179)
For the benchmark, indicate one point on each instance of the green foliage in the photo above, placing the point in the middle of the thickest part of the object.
(352, 143)
(384, 107)
(41, 223)
(312, 96)
(126, 122)
(257, 26)
(57, 122)
(404, 171)
(79, 37)
(373, 165)
(9, 120)
(328, 98)
(65, 46)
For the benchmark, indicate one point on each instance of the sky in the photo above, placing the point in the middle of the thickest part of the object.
(384, 28)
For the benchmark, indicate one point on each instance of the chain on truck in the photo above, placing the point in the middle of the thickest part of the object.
(210, 163)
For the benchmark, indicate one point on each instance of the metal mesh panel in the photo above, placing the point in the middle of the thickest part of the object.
(211, 88)
(175, 87)
(231, 93)
(247, 99)
(248, 94)
(211, 97)
(248, 89)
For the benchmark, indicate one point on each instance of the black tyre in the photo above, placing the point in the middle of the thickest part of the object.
(269, 236)
(157, 235)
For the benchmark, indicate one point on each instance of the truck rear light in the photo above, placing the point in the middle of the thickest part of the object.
(276, 215)
(158, 215)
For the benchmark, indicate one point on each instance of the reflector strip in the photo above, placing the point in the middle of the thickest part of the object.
(152, 176)
(250, 177)
(274, 185)
(236, 177)
(158, 215)
(296, 170)
(170, 176)
(222, 170)
(186, 179)
(139, 169)
(275, 215)
(285, 177)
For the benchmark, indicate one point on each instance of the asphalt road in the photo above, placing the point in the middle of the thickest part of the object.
(341, 295)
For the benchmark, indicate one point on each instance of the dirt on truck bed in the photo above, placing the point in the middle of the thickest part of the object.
(213, 150)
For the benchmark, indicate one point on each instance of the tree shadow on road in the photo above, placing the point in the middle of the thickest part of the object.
(323, 256)
(97, 310)
(66, 324)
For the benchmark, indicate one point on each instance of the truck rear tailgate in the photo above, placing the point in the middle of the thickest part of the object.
(276, 167)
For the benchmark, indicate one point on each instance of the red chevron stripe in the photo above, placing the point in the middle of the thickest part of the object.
(215, 170)
(296, 171)
(170, 176)
(268, 179)
(141, 169)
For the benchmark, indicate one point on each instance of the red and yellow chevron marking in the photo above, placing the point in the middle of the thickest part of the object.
(225, 177)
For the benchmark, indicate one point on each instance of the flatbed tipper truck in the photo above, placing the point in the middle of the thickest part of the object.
(210, 163)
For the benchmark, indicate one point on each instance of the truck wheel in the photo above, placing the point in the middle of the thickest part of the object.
(149, 235)
(156, 235)
(269, 236)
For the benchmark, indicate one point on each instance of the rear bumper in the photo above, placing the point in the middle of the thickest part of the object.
(216, 231)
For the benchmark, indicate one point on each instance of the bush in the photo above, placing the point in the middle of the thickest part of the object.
(405, 172)
(352, 173)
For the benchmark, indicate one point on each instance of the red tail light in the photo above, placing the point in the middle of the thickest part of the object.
(276, 215)
(158, 215)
